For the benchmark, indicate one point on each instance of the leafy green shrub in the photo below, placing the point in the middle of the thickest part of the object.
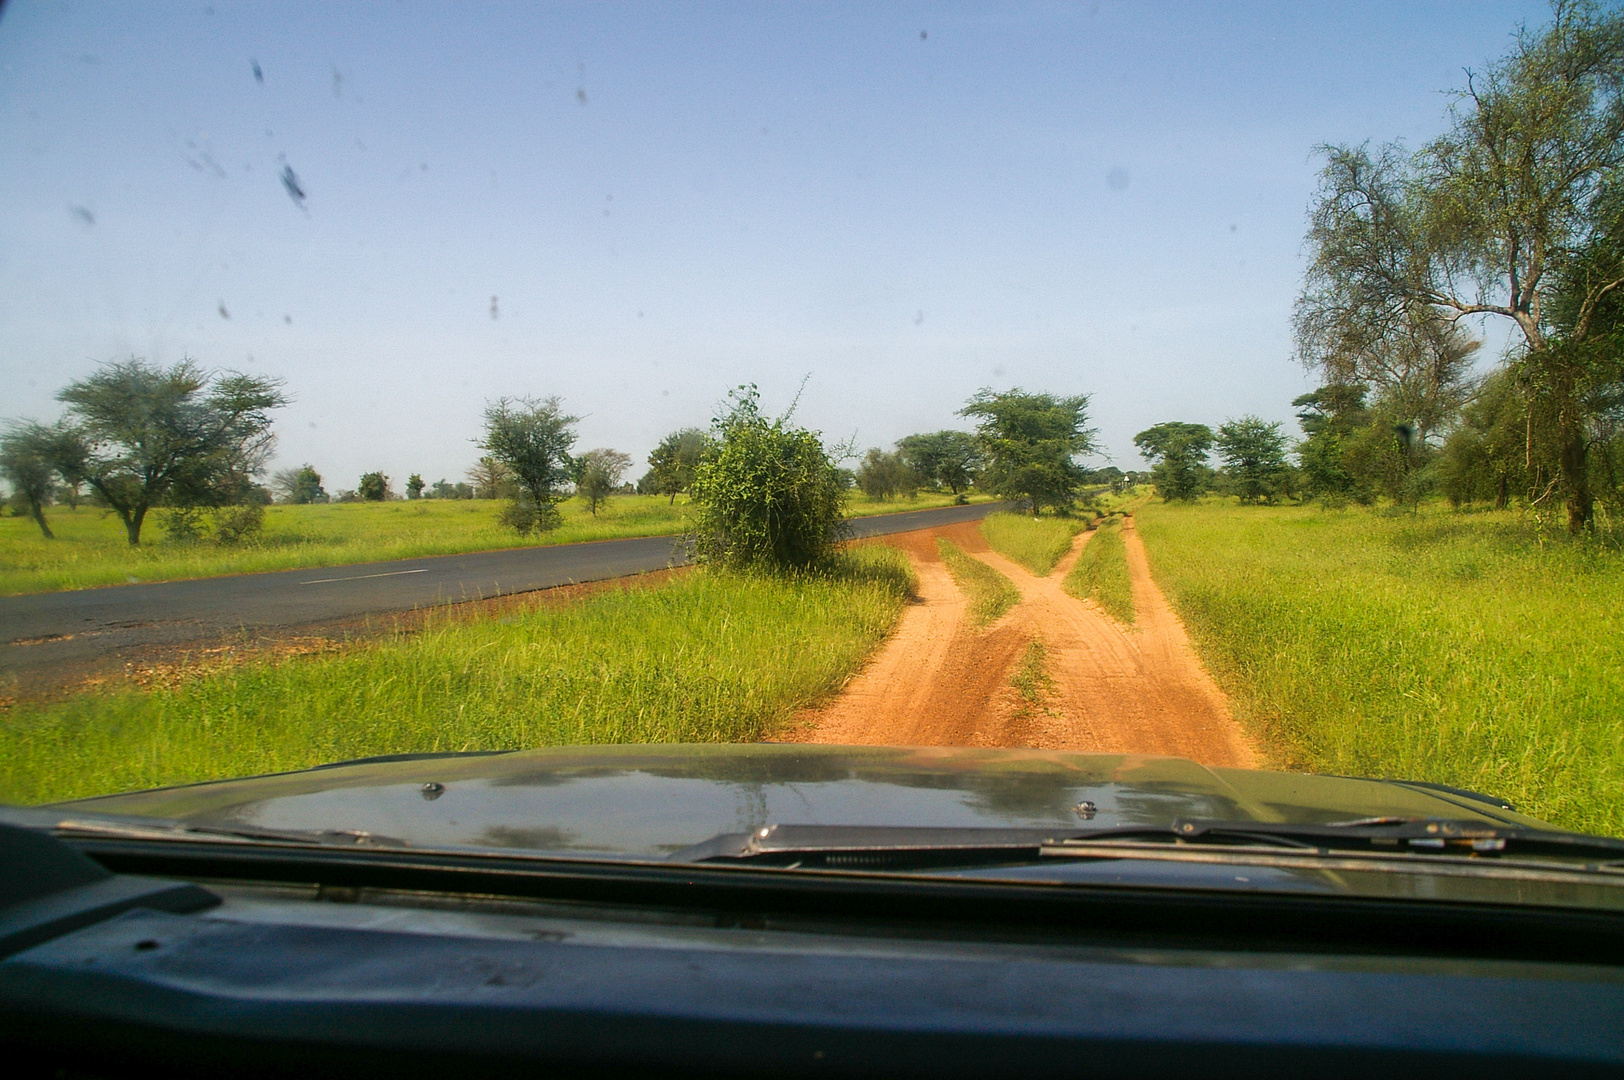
(767, 493)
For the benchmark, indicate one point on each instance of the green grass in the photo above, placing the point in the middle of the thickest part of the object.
(988, 592)
(1035, 543)
(707, 657)
(90, 548)
(1446, 647)
(1032, 681)
(1101, 574)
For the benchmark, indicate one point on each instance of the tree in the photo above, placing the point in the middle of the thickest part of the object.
(532, 438)
(950, 459)
(672, 464)
(1178, 455)
(373, 487)
(25, 467)
(299, 486)
(490, 479)
(142, 436)
(415, 486)
(598, 475)
(1329, 416)
(1254, 455)
(767, 493)
(885, 475)
(1031, 443)
(1491, 219)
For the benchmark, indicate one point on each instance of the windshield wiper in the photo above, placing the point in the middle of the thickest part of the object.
(124, 829)
(880, 847)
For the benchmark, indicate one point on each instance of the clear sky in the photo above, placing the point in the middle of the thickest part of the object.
(636, 207)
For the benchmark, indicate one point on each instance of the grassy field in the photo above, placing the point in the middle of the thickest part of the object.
(90, 548)
(1035, 543)
(707, 657)
(1101, 574)
(988, 592)
(1455, 648)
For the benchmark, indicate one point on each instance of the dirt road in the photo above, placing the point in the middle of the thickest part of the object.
(940, 681)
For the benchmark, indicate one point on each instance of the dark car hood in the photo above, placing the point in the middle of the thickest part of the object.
(648, 801)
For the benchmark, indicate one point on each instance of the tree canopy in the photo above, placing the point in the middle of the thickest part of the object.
(1510, 214)
(532, 439)
(1178, 453)
(672, 463)
(1031, 443)
(1254, 455)
(949, 459)
(598, 474)
(142, 436)
(32, 478)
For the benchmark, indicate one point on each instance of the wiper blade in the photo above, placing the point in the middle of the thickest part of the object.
(124, 829)
(884, 847)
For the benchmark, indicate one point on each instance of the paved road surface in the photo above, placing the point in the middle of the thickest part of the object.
(45, 629)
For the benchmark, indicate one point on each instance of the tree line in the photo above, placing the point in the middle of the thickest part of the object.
(138, 437)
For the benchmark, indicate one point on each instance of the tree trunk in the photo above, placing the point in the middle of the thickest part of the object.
(1576, 479)
(1502, 492)
(132, 526)
(39, 517)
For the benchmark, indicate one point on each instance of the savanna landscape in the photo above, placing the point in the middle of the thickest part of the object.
(1424, 581)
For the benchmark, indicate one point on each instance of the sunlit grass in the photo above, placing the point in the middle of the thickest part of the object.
(708, 657)
(1035, 543)
(1446, 647)
(91, 550)
(988, 593)
(1101, 574)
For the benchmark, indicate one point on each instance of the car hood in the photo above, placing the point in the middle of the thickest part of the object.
(648, 801)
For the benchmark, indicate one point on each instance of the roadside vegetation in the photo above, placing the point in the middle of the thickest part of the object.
(707, 657)
(1032, 683)
(988, 593)
(1465, 649)
(1035, 543)
(1101, 573)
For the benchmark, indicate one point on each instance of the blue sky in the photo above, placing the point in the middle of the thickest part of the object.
(636, 207)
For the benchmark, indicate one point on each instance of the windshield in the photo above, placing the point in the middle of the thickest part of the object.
(634, 430)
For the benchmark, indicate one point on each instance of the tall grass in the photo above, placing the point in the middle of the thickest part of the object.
(988, 593)
(1101, 574)
(708, 657)
(90, 548)
(1035, 543)
(1445, 647)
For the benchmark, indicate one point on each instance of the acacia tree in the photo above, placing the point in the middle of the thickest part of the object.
(1178, 455)
(489, 477)
(32, 479)
(598, 473)
(1254, 454)
(672, 464)
(142, 436)
(882, 475)
(950, 459)
(299, 486)
(1487, 220)
(532, 438)
(1031, 443)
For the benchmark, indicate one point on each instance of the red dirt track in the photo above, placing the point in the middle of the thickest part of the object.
(939, 681)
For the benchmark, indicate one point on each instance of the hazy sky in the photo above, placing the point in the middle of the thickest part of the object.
(636, 207)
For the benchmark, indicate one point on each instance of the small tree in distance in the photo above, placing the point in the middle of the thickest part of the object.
(373, 487)
(30, 475)
(1178, 455)
(599, 474)
(767, 493)
(1254, 453)
(415, 486)
(298, 486)
(885, 475)
(672, 464)
(489, 478)
(1031, 443)
(949, 459)
(532, 438)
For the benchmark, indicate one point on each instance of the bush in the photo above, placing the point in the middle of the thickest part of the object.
(236, 524)
(767, 494)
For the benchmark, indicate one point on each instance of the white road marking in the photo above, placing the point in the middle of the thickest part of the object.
(359, 577)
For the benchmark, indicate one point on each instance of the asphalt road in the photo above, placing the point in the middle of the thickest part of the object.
(46, 629)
